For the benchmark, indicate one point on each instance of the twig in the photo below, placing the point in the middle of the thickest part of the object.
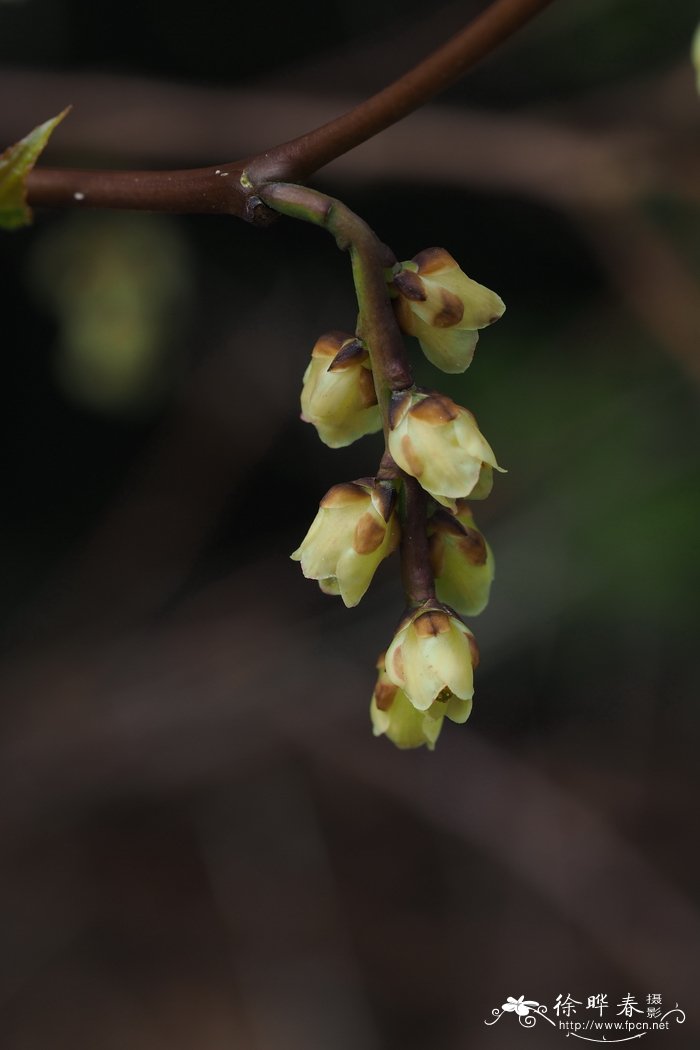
(231, 188)
(300, 157)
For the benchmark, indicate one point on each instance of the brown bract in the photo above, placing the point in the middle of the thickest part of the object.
(352, 351)
(410, 286)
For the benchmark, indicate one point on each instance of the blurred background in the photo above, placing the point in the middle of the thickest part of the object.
(202, 844)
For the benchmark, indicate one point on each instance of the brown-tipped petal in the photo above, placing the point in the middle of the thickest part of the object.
(342, 495)
(384, 694)
(329, 344)
(432, 260)
(410, 286)
(415, 464)
(397, 670)
(473, 546)
(451, 310)
(431, 623)
(369, 534)
(444, 523)
(435, 409)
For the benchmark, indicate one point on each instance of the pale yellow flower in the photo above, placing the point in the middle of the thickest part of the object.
(338, 394)
(355, 528)
(432, 658)
(443, 308)
(439, 443)
(394, 716)
(461, 559)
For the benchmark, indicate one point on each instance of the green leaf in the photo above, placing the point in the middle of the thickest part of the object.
(15, 164)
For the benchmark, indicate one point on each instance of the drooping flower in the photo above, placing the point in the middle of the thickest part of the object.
(439, 443)
(338, 394)
(394, 715)
(355, 528)
(443, 308)
(432, 658)
(461, 559)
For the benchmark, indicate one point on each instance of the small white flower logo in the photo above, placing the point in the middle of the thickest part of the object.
(520, 1006)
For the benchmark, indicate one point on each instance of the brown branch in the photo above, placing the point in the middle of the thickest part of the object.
(210, 190)
(301, 157)
(195, 190)
(416, 569)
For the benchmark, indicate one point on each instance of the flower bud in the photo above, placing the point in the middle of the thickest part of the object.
(432, 659)
(338, 394)
(443, 308)
(461, 559)
(356, 526)
(439, 443)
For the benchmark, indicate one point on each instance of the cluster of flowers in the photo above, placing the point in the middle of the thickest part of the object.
(427, 672)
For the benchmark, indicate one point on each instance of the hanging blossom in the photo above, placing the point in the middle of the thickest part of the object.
(355, 528)
(427, 673)
(461, 559)
(432, 657)
(440, 444)
(338, 394)
(443, 308)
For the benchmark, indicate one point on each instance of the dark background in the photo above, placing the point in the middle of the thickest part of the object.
(202, 844)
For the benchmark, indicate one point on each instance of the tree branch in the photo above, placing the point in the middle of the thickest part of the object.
(297, 159)
(230, 188)
(193, 191)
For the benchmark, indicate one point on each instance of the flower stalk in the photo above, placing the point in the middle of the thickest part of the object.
(370, 258)
(378, 328)
(433, 449)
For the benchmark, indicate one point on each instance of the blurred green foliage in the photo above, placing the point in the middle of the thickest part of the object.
(119, 287)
